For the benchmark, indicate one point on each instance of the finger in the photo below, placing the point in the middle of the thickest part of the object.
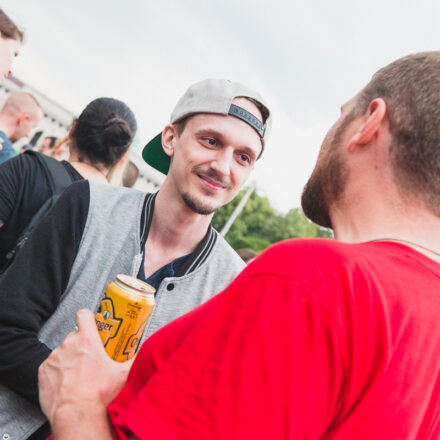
(85, 321)
(72, 335)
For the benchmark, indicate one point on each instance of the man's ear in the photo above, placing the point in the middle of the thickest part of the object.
(169, 136)
(375, 115)
(22, 118)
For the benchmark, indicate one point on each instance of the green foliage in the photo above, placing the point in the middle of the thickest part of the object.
(255, 243)
(259, 225)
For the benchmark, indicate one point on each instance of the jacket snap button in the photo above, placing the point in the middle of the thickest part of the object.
(6, 436)
(170, 286)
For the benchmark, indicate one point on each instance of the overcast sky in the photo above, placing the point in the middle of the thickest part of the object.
(306, 58)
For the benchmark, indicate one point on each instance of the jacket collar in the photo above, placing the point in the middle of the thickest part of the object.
(200, 253)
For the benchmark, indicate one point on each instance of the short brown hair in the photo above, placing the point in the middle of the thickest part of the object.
(9, 29)
(410, 87)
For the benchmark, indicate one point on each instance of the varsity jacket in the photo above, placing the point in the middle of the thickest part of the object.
(93, 233)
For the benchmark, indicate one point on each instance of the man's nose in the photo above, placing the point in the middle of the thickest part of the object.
(222, 161)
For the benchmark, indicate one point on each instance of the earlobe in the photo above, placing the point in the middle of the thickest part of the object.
(168, 139)
(375, 115)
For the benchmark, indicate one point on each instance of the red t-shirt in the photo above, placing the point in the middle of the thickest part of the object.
(316, 339)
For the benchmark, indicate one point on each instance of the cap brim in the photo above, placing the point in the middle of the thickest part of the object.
(154, 155)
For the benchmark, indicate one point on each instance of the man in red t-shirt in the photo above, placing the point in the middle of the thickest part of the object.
(316, 339)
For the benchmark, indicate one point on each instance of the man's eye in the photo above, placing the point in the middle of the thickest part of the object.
(211, 141)
(245, 158)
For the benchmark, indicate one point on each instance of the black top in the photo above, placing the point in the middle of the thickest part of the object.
(24, 187)
(167, 271)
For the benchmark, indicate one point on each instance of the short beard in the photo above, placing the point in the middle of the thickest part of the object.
(327, 182)
(324, 187)
(196, 206)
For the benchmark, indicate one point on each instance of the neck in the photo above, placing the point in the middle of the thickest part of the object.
(175, 226)
(87, 170)
(412, 223)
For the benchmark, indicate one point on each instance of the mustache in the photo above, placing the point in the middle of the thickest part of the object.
(213, 175)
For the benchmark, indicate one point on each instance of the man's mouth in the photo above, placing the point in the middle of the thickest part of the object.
(210, 183)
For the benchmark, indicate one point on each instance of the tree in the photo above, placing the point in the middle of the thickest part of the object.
(259, 225)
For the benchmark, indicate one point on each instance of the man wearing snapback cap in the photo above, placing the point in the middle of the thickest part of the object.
(216, 133)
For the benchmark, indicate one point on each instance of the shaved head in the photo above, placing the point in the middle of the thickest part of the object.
(22, 102)
(19, 115)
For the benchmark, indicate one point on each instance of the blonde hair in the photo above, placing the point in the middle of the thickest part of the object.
(116, 173)
(53, 151)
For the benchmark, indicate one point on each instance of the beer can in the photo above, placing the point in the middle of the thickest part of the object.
(122, 316)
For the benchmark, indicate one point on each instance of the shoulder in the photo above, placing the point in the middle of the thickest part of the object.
(6, 145)
(24, 168)
(105, 190)
(74, 201)
(309, 259)
(223, 250)
(104, 196)
(27, 162)
(115, 201)
(19, 161)
(79, 190)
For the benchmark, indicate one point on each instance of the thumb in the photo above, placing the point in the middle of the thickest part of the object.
(85, 321)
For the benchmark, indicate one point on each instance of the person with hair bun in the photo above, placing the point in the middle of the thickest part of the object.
(99, 139)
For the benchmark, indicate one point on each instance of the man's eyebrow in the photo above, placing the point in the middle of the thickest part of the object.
(221, 137)
(209, 132)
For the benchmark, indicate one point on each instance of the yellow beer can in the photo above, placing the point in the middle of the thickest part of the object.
(122, 316)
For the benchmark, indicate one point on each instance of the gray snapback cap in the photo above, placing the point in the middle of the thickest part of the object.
(210, 96)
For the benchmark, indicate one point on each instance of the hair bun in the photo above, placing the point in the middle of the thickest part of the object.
(111, 120)
(117, 133)
(104, 131)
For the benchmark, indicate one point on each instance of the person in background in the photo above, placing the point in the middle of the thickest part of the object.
(124, 174)
(116, 173)
(316, 339)
(24, 148)
(247, 254)
(217, 132)
(99, 139)
(131, 174)
(11, 38)
(21, 112)
(47, 144)
(61, 149)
